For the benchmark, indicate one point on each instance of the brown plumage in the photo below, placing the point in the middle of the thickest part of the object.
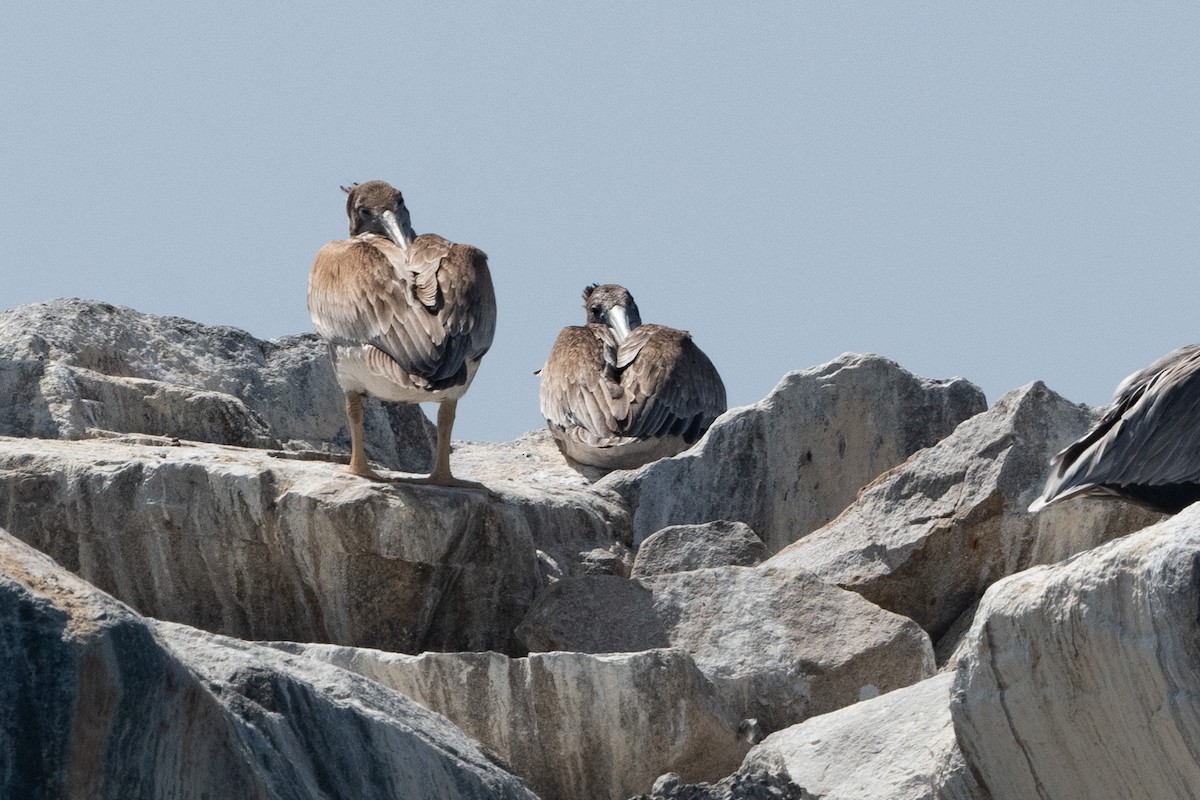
(617, 394)
(408, 318)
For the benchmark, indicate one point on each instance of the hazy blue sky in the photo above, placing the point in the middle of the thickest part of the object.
(1006, 193)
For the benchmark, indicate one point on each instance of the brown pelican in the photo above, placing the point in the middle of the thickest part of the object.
(407, 317)
(1146, 446)
(617, 393)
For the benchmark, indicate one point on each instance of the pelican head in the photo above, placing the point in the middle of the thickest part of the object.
(612, 305)
(378, 207)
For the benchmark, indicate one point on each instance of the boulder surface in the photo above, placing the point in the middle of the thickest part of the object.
(70, 369)
(238, 542)
(575, 726)
(790, 463)
(680, 548)
(1082, 679)
(98, 702)
(780, 646)
(927, 538)
(900, 746)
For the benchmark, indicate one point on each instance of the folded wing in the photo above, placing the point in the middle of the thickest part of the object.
(429, 312)
(1149, 436)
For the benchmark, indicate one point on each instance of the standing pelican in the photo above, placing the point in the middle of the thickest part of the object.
(407, 317)
(1146, 446)
(617, 393)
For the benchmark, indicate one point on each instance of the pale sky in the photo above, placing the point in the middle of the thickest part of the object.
(1005, 193)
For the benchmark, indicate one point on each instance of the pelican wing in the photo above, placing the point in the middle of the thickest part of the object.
(429, 310)
(580, 394)
(1149, 435)
(675, 388)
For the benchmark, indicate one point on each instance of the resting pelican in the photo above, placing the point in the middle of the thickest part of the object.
(1146, 446)
(618, 394)
(407, 317)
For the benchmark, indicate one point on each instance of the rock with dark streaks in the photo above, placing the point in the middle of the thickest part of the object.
(72, 369)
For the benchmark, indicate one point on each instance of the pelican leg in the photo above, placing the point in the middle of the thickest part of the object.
(441, 468)
(358, 453)
(447, 410)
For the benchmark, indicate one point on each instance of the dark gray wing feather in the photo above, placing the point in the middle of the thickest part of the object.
(1149, 435)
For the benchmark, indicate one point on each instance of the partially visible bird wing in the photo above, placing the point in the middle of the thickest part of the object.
(1149, 435)
(429, 311)
(579, 388)
(675, 389)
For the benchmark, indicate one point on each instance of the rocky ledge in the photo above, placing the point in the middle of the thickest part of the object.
(194, 601)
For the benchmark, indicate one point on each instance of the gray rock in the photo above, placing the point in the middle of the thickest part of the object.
(1082, 679)
(595, 614)
(574, 726)
(238, 542)
(790, 463)
(928, 538)
(72, 368)
(780, 646)
(899, 746)
(100, 703)
(764, 785)
(680, 548)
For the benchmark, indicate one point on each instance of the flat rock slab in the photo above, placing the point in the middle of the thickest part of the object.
(790, 463)
(235, 541)
(926, 539)
(574, 726)
(780, 646)
(899, 746)
(72, 369)
(1082, 679)
(101, 703)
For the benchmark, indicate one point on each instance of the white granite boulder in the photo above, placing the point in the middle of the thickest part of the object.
(100, 703)
(926, 539)
(790, 463)
(1082, 679)
(574, 726)
(71, 369)
(679, 548)
(779, 646)
(238, 542)
(899, 746)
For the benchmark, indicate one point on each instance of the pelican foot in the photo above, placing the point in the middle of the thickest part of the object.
(451, 482)
(369, 474)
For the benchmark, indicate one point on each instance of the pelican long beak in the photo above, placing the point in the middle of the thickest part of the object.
(392, 227)
(619, 322)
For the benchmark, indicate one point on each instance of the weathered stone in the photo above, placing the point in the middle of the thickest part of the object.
(595, 614)
(100, 703)
(764, 785)
(574, 726)
(780, 646)
(1082, 679)
(72, 368)
(680, 548)
(926, 539)
(899, 746)
(238, 542)
(790, 463)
